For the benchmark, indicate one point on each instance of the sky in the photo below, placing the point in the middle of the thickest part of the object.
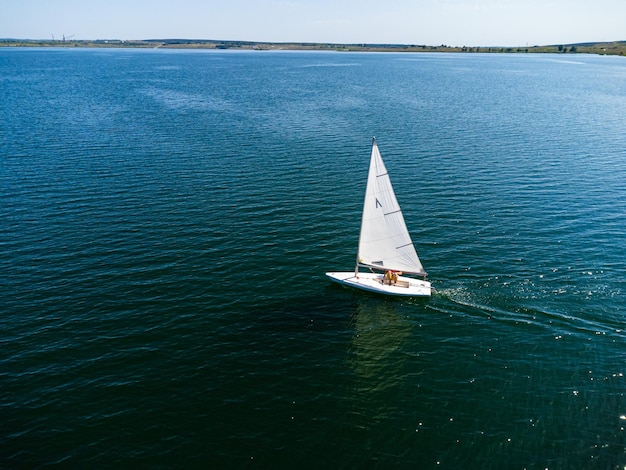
(429, 22)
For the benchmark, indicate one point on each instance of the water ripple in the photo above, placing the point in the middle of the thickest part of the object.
(166, 219)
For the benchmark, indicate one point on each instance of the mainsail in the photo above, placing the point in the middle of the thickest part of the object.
(384, 242)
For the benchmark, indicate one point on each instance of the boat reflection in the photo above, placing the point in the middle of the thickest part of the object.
(378, 353)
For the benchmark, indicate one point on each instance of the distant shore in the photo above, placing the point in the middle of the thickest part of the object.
(601, 48)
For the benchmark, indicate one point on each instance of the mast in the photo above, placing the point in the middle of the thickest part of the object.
(358, 251)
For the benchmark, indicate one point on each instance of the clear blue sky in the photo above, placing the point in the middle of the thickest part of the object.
(431, 22)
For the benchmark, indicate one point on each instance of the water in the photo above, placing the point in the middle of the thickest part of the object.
(166, 219)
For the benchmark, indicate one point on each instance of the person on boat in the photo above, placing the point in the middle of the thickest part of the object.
(391, 277)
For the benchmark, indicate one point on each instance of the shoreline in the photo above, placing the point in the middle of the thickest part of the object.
(600, 48)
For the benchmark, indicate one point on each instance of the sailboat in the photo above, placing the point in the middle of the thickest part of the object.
(385, 246)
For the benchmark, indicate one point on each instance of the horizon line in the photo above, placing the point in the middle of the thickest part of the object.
(71, 39)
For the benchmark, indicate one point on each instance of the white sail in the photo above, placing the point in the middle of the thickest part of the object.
(384, 242)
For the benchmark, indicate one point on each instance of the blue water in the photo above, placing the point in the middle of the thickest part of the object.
(166, 219)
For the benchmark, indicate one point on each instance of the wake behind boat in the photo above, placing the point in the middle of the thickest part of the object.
(385, 246)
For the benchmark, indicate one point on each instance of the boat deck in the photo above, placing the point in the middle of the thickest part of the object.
(373, 282)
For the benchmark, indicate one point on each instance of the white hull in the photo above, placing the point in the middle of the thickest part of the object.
(373, 282)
